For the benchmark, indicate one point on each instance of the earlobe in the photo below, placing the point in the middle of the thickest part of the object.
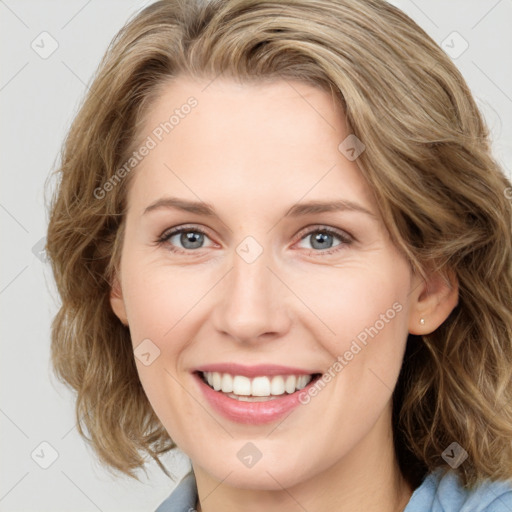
(434, 298)
(117, 302)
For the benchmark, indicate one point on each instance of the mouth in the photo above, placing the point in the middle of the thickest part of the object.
(262, 388)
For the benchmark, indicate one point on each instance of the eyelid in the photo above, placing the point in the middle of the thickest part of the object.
(167, 233)
(345, 237)
(175, 230)
(342, 234)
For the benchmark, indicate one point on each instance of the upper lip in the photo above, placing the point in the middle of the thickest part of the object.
(253, 371)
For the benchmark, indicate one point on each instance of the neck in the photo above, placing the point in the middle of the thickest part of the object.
(367, 479)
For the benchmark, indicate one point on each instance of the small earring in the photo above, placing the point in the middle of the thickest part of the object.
(422, 321)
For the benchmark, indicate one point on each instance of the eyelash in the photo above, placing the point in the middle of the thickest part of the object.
(345, 239)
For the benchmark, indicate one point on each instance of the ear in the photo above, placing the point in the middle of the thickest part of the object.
(117, 301)
(433, 299)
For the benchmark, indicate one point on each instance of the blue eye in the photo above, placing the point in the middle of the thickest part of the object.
(188, 238)
(323, 239)
(184, 239)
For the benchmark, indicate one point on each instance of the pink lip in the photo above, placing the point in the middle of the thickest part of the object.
(254, 371)
(251, 413)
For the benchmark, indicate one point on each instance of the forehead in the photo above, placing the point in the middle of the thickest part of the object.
(242, 138)
(253, 107)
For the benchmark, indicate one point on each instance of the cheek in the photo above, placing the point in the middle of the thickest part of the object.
(158, 299)
(369, 314)
(364, 327)
(356, 302)
(159, 325)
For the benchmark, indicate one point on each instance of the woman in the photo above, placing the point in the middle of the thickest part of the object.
(283, 246)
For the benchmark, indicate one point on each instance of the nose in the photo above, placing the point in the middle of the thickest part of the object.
(252, 302)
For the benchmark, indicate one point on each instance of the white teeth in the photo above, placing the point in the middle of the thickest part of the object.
(227, 383)
(277, 385)
(302, 382)
(289, 383)
(216, 377)
(259, 386)
(241, 385)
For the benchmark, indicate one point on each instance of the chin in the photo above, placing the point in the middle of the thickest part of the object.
(263, 476)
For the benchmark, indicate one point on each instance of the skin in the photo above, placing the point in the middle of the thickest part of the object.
(253, 151)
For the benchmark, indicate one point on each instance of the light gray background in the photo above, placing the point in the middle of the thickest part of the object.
(38, 98)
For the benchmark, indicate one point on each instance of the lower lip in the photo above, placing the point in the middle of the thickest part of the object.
(251, 413)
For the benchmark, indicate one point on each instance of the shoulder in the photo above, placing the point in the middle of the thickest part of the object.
(183, 498)
(441, 491)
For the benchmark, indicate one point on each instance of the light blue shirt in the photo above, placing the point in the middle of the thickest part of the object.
(439, 492)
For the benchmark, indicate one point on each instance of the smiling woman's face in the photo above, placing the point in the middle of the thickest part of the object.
(259, 279)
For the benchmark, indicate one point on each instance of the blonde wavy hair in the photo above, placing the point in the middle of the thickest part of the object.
(428, 160)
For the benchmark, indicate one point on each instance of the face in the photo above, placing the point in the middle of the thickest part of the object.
(230, 273)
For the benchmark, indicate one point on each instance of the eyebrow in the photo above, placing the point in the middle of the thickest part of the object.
(297, 210)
